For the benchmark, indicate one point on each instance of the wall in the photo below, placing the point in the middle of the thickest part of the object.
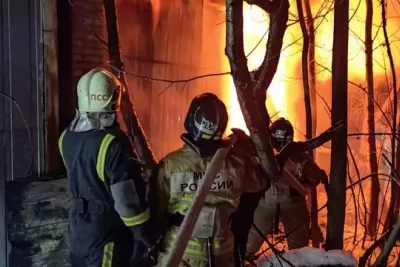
(86, 51)
(166, 44)
(159, 45)
(137, 53)
(37, 212)
(21, 78)
(22, 130)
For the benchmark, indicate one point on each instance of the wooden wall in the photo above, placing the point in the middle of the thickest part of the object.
(177, 53)
(184, 48)
(137, 53)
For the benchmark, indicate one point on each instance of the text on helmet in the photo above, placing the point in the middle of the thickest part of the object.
(206, 126)
(96, 97)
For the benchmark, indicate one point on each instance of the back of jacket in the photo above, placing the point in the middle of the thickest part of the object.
(96, 161)
(80, 155)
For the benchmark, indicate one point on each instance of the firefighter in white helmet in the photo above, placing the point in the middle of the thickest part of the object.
(179, 175)
(108, 221)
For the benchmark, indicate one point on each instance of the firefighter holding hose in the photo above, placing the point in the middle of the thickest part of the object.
(179, 175)
(109, 219)
(282, 201)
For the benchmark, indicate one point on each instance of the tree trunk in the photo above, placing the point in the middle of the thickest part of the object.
(396, 189)
(315, 234)
(311, 65)
(251, 88)
(373, 161)
(313, 99)
(131, 120)
(337, 186)
(395, 172)
(368, 252)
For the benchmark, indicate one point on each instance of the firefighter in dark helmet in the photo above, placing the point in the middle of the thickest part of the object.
(178, 178)
(283, 200)
(109, 215)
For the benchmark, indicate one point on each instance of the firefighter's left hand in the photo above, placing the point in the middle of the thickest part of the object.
(311, 173)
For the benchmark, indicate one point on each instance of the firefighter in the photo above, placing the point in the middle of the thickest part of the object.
(284, 201)
(109, 218)
(179, 175)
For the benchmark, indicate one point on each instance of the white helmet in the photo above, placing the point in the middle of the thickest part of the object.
(99, 91)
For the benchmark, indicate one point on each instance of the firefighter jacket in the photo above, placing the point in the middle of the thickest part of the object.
(307, 171)
(304, 168)
(105, 185)
(172, 192)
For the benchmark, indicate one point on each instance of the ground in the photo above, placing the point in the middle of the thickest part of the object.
(352, 244)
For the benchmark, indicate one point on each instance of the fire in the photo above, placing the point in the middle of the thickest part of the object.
(255, 38)
(285, 94)
(324, 39)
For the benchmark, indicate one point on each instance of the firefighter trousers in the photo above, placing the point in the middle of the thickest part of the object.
(99, 240)
(113, 254)
(294, 217)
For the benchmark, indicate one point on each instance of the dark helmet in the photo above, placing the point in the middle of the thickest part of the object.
(281, 133)
(207, 118)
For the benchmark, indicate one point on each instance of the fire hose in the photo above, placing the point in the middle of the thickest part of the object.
(176, 252)
(185, 231)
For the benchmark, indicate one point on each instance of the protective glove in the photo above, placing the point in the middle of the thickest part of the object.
(307, 170)
(244, 141)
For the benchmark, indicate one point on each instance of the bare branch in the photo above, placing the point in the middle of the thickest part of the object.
(394, 190)
(234, 43)
(105, 45)
(373, 161)
(169, 80)
(264, 5)
(131, 120)
(363, 260)
(391, 242)
(295, 147)
(252, 98)
(279, 15)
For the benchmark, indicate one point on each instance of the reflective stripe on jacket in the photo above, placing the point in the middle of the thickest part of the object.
(102, 161)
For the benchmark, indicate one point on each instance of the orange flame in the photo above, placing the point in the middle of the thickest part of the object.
(255, 38)
(285, 94)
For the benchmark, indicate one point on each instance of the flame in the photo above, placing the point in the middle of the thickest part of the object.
(285, 94)
(324, 39)
(255, 26)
